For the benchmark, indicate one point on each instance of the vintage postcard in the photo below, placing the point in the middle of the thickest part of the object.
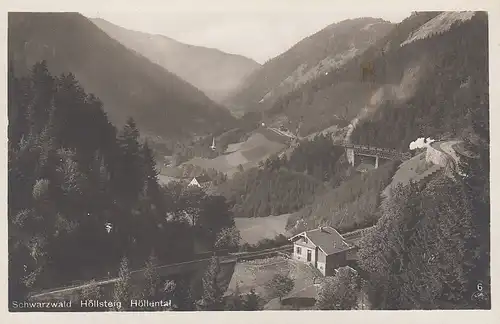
(216, 159)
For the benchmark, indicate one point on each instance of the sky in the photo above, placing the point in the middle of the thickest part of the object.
(257, 31)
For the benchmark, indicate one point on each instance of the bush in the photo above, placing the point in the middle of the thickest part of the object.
(339, 292)
(280, 286)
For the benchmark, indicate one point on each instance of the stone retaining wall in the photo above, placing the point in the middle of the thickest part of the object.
(436, 156)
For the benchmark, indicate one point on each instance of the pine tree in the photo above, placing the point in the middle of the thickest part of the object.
(149, 165)
(475, 166)
(130, 177)
(42, 84)
(122, 288)
(16, 110)
(99, 177)
(212, 293)
(46, 142)
(152, 284)
(151, 194)
(71, 179)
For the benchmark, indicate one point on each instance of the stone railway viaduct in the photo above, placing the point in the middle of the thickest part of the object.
(354, 150)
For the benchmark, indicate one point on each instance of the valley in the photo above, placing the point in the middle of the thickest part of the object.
(199, 66)
(356, 161)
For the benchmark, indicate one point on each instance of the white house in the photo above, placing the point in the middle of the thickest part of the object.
(324, 248)
(195, 183)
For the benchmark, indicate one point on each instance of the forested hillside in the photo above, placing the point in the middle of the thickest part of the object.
(316, 55)
(83, 195)
(319, 158)
(286, 184)
(431, 247)
(457, 80)
(127, 83)
(269, 191)
(339, 96)
(352, 205)
(400, 70)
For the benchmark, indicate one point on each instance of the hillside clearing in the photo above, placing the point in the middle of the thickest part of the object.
(165, 180)
(254, 229)
(248, 154)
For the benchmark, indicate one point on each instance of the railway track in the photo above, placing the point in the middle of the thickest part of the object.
(178, 267)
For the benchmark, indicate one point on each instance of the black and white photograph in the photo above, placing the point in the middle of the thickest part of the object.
(307, 158)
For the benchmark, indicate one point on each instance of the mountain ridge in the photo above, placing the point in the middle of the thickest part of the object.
(97, 19)
(358, 88)
(128, 84)
(213, 71)
(314, 55)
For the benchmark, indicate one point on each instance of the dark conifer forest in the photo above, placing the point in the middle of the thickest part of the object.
(431, 247)
(286, 184)
(83, 195)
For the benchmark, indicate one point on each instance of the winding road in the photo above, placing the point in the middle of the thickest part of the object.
(282, 133)
(449, 148)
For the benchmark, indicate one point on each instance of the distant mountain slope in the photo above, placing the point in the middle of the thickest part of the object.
(428, 77)
(315, 55)
(128, 84)
(439, 25)
(445, 64)
(417, 60)
(214, 72)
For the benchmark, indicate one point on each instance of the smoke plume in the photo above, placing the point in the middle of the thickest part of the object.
(421, 142)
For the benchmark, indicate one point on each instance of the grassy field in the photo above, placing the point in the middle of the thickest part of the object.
(164, 180)
(254, 229)
(234, 147)
(249, 153)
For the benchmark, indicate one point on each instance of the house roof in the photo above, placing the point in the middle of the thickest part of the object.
(326, 238)
(194, 182)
